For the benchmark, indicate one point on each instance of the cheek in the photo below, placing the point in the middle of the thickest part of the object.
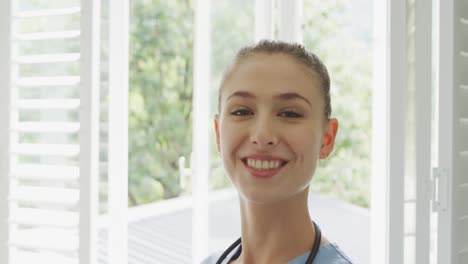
(229, 143)
(305, 144)
(306, 147)
(228, 140)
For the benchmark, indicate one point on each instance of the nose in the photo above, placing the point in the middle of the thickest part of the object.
(263, 133)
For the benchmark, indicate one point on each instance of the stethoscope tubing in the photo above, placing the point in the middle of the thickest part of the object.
(310, 259)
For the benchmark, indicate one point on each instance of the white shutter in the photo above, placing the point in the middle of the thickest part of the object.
(453, 133)
(49, 138)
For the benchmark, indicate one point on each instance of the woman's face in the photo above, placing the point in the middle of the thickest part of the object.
(271, 128)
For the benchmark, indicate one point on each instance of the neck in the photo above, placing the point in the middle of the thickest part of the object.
(276, 232)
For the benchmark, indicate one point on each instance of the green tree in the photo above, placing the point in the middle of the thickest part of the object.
(160, 96)
(346, 174)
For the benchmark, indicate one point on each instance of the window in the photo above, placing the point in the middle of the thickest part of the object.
(52, 145)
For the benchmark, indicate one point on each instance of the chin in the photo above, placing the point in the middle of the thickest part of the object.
(256, 196)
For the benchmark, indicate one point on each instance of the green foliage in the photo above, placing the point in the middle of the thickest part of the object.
(346, 173)
(160, 97)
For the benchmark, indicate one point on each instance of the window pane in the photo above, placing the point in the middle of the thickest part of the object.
(340, 33)
(160, 97)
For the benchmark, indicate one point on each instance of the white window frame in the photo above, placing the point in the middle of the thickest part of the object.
(387, 199)
(118, 132)
(290, 20)
(389, 98)
(200, 162)
(264, 22)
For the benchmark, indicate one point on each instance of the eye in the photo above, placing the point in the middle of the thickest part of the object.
(241, 112)
(290, 114)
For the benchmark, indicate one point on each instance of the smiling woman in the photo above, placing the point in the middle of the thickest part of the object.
(273, 126)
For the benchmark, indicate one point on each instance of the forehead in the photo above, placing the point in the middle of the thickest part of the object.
(271, 74)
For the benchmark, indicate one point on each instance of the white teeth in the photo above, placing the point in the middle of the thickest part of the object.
(258, 164)
(263, 164)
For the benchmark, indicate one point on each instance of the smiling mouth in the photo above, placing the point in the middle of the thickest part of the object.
(263, 164)
(263, 168)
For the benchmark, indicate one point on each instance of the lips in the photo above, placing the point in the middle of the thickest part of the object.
(263, 166)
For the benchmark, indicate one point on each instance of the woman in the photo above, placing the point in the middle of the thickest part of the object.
(273, 126)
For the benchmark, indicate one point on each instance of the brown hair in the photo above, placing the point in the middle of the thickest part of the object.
(296, 51)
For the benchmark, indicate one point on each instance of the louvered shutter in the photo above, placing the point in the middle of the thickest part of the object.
(51, 139)
(452, 168)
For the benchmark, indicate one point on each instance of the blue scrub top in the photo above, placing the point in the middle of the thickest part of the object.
(327, 254)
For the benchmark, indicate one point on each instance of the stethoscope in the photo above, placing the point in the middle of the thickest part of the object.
(310, 259)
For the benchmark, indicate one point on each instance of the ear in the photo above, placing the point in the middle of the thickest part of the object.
(216, 126)
(329, 136)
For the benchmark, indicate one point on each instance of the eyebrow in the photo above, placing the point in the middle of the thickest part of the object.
(243, 94)
(283, 96)
(292, 96)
